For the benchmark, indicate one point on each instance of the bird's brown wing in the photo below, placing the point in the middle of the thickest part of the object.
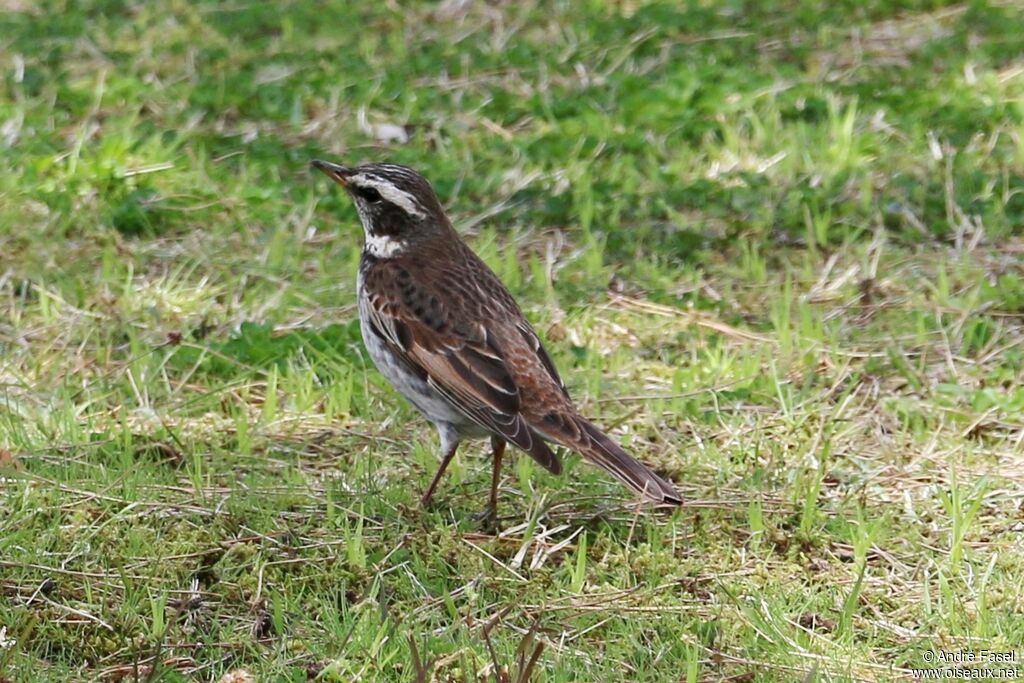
(457, 358)
(542, 354)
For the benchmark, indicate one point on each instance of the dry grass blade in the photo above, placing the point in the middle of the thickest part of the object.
(528, 653)
(422, 671)
(691, 318)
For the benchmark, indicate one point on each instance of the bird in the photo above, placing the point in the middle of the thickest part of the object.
(448, 335)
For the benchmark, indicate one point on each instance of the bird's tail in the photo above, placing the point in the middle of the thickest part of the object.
(594, 445)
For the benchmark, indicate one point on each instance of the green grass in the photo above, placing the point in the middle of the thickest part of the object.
(775, 249)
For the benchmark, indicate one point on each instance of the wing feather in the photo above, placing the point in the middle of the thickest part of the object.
(533, 340)
(463, 363)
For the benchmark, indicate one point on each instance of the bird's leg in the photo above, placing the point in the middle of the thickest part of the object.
(490, 514)
(448, 455)
(498, 450)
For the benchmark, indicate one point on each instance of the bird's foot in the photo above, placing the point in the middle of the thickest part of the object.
(488, 519)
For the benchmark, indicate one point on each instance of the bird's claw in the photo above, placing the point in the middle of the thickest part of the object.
(488, 519)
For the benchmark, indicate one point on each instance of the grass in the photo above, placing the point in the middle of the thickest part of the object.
(774, 248)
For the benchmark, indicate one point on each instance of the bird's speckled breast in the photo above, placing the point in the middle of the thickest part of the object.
(426, 400)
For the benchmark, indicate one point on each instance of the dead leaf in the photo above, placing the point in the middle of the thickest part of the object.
(816, 622)
(8, 459)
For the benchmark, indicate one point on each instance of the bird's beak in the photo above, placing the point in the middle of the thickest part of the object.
(336, 172)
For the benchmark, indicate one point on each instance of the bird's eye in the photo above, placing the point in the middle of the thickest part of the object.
(369, 194)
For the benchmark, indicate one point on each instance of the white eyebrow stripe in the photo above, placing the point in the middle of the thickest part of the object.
(403, 200)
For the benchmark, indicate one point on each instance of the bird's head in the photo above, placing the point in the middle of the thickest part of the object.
(396, 205)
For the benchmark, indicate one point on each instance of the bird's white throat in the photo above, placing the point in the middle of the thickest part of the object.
(383, 246)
